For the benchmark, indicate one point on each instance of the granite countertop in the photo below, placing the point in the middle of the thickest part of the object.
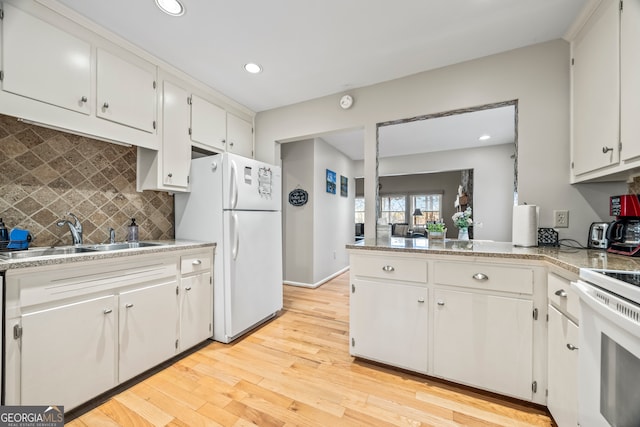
(571, 259)
(166, 246)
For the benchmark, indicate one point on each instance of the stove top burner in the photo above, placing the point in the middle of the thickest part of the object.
(630, 277)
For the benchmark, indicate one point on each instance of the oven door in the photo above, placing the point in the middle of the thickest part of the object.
(609, 359)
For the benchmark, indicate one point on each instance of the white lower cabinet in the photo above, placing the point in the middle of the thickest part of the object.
(478, 323)
(76, 330)
(562, 368)
(389, 323)
(78, 338)
(148, 328)
(562, 350)
(484, 341)
(196, 299)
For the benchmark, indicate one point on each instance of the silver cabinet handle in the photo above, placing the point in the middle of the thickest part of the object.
(188, 288)
(105, 105)
(83, 99)
(606, 149)
(388, 268)
(224, 141)
(128, 305)
(561, 293)
(440, 303)
(107, 310)
(480, 276)
(231, 143)
(170, 175)
(196, 262)
(421, 300)
(572, 347)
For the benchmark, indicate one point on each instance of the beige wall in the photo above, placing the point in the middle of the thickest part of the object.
(536, 76)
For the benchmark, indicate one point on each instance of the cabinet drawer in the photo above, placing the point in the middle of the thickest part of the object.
(563, 297)
(485, 276)
(412, 270)
(195, 263)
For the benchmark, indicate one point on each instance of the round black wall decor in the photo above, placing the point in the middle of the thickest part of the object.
(298, 197)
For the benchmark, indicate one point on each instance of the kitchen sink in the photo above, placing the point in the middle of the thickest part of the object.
(124, 245)
(39, 252)
(69, 250)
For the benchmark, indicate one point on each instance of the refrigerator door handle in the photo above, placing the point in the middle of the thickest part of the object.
(236, 237)
(233, 185)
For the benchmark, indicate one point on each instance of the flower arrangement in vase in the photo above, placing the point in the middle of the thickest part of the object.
(463, 221)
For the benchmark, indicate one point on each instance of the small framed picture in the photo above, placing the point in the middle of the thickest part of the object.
(344, 186)
(331, 182)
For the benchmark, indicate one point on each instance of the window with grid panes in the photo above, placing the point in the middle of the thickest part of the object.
(393, 209)
(431, 207)
(359, 204)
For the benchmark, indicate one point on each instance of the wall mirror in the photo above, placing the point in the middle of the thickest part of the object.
(477, 144)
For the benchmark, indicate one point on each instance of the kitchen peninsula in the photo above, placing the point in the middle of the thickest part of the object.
(481, 313)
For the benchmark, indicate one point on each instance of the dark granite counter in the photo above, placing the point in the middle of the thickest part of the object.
(167, 246)
(571, 259)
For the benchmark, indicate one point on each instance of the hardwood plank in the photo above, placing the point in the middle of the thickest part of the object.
(296, 370)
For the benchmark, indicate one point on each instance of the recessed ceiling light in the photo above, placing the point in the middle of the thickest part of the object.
(484, 138)
(171, 7)
(253, 68)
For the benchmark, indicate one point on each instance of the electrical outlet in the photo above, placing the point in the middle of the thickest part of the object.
(561, 219)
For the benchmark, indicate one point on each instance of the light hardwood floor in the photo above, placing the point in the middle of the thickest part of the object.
(296, 371)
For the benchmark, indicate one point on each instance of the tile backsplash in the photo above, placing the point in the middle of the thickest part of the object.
(46, 173)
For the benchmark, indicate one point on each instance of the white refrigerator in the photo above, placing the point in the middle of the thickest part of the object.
(236, 202)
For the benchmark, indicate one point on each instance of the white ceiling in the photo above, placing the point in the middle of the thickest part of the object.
(310, 49)
(435, 134)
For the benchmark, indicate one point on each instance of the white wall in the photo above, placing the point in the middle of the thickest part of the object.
(537, 76)
(297, 226)
(334, 224)
(315, 234)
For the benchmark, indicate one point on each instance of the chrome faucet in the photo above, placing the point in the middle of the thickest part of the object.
(112, 235)
(75, 229)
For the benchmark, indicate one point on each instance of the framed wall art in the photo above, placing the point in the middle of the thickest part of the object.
(331, 182)
(344, 186)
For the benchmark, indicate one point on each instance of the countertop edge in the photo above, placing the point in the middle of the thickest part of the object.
(171, 246)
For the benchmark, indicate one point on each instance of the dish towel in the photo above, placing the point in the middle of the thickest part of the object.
(19, 239)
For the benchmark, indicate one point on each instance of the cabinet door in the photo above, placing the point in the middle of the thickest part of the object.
(208, 123)
(196, 310)
(44, 63)
(126, 93)
(176, 148)
(629, 82)
(239, 136)
(68, 353)
(595, 83)
(484, 341)
(148, 328)
(562, 368)
(389, 324)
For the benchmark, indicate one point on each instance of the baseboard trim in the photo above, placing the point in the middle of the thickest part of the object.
(317, 284)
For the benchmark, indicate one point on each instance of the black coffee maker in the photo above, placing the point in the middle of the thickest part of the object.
(624, 233)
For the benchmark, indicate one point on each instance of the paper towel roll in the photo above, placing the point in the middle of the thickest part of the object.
(525, 225)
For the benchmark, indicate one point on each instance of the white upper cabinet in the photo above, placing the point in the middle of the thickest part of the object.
(596, 80)
(630, 81)
(126, 92)
(239, 136)
(208, 124)
(42, 62)
(176, 148)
